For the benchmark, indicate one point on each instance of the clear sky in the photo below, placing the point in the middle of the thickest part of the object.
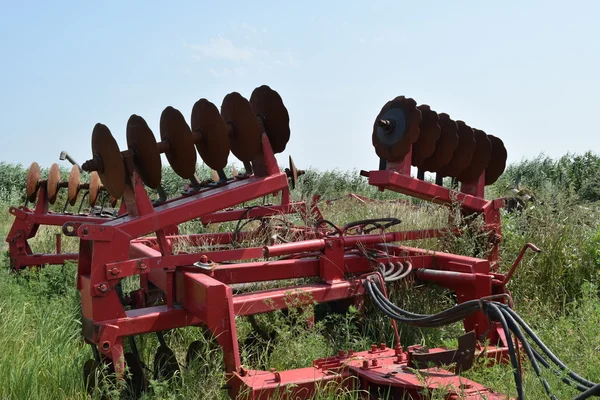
(525, 71)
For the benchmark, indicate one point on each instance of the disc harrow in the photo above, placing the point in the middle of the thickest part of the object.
(436, 143)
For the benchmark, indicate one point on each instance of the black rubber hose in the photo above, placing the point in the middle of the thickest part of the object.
(514, 327)
(564, 379)
(593, 391)
(547, 351)
(451, 315)
(511, 348)
(429, 321)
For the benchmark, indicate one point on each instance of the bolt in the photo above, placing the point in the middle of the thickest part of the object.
(85, 231)
(103, 288)
(114, 271)
(382, 346)
(374, 362)
(204, 259)
(365, 364)
(373, 347)
(142, 266)
(341, 354)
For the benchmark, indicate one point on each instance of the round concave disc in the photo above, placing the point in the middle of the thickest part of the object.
(52, 183)
(393, 142)
(428, 136)
(461, 158)
(268, 106)
(165, 363)
(445, 146)
(146, 156)
(90, 369)
(294, 172)
(497, 162)
(244, 129)
(33, 180)
(94, 188)
(137, 381)
(106, 148)
(74, 181)
(480, 160)
(181, 153)
(213, 145)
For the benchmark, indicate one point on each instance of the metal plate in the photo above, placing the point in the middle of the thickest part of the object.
(146, 156)
(245, 130)
(181, 153)
(105, 147)
(268, 106)
(53, 182)
(94, 188)
(445, 146)
(74, 181)
(461, 158)
(213, 145)
(428, 136)
(193, 353)
(480, 160)
(165, 363)
(393, 143)
(497, 161)
(33, 181)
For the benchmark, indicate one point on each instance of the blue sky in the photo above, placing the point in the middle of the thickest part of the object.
(526, 72)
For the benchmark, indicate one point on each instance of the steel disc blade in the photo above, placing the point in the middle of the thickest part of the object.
(392, 142)
(94, 188)
(90, 368)
(213, 145)
(461, 158)
(445, 146)
(268, 106)
(74, 181)
(294, 172)
(138, 381)
(146, 156)
(244, 129)
(181, 153)
(53, 182)
(194, 351)
(106, 148)
(33, 180)
(480, 160)
(497, 161)
(165, 363)
(428, 136)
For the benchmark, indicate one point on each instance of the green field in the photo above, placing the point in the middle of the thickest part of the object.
(556, 292)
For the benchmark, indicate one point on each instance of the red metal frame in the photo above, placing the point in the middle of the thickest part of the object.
(195, 296)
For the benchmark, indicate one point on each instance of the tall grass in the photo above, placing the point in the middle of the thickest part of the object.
(42, 353)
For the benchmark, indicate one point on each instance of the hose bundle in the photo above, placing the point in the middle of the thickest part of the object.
(512, 324)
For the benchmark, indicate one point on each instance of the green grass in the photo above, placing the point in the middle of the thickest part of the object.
(556, 292)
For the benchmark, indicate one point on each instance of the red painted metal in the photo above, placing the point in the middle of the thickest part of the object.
(196, 285)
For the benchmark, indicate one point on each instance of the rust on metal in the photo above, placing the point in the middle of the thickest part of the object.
(146, 157)
(480, 160)
(497, 160)
(396, 128)
(461, 158)
(53, 182)
(94, 189)
(210, 134)
(244, 129)
(269, 107)
(445, 146)
(73, 187)
(107, 161)
(33, 181)
(429, 134)
(181, 152)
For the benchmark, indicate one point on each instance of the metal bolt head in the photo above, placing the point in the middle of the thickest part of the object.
(366, 364)
(142, 266)
(374, 362)
(114, 271)
(373, 347)
(103, 288)
(382, 346)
